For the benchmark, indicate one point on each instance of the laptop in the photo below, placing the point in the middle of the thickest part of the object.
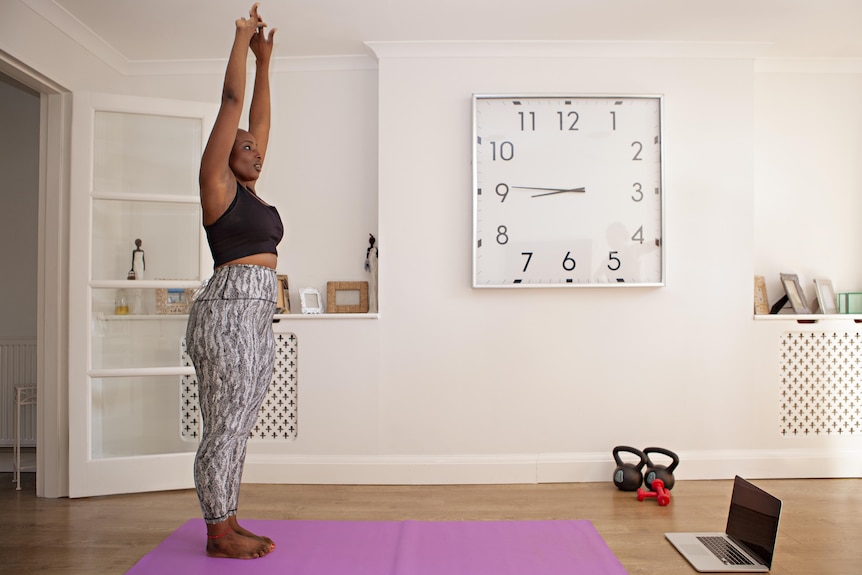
(748, 542)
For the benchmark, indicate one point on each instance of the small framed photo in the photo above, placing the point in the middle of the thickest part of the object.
(761, 302)
(794, 293)
(347, 297)
(174, 301)
(825, 295)
(311, 300)
(283, 301)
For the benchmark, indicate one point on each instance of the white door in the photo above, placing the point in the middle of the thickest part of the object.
(134, 176)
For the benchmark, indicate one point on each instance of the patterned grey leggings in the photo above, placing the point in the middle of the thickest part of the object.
(230, 341)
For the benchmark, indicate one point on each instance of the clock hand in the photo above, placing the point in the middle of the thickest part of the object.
(552, 191)
(581, 190)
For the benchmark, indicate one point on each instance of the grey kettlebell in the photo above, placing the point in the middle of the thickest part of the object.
(628, 476)
(653, 471)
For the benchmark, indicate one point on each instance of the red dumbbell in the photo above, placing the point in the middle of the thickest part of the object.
(662, 495)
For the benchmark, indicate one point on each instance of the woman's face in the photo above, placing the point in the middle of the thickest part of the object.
(245, 160)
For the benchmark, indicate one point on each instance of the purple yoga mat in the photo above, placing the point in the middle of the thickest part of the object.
(397, 548)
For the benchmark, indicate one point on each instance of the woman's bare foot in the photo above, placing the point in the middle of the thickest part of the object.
(234, 524)
(223, 541)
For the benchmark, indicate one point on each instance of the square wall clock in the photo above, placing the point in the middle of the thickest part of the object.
(567, 191)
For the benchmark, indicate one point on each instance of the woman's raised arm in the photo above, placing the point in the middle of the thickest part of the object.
(217, 182)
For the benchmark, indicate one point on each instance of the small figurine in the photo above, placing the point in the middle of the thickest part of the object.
(139, 262)
(371, 267)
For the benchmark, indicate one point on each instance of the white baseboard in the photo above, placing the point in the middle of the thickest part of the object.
(391, 469)
(541, 468)
(526, 468)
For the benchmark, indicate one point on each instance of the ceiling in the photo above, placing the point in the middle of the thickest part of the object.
(184, 30)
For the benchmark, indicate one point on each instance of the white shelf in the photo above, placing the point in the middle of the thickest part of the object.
(145, 284)
(142, 317)
(276, 317)
(809, 317)
(141, 372)
(324, 316)
(138, 197)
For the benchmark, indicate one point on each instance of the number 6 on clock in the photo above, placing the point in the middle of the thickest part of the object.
(567, 191)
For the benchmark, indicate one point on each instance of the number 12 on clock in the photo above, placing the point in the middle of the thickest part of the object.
(567, 191)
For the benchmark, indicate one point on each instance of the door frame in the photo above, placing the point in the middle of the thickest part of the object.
(52, 357)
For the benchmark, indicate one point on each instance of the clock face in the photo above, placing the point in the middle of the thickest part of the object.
(567, 191)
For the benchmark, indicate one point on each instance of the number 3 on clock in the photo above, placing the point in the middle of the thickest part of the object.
(567, 191)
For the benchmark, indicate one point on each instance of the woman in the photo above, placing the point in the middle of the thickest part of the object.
(229, 335)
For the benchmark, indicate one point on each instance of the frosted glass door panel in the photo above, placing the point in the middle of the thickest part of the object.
(134, 342)
(170, 234)
(137, 416)
(146, 154)
(124, 303)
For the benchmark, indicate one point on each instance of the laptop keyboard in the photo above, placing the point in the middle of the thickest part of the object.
(726, 552)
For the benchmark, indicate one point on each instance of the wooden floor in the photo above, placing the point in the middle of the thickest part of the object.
(820, 531)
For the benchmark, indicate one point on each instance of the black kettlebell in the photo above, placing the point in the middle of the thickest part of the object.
(653, 471)
(628, 476)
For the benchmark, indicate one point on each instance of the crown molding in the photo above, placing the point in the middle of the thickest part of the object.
(73, 28)
(90, 41)
(568, 49)
(67, 24)
(217, 66)
(810, 65)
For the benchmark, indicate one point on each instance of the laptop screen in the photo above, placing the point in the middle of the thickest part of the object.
(753, 519)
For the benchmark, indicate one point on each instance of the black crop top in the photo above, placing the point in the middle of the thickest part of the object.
(247, 227)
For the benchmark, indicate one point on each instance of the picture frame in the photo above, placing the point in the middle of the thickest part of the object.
(347, 297)
(826, 299)
(850, 302)
(282, 304)
(761, 301)
(311, 301)
(795, 293)
(174, 301)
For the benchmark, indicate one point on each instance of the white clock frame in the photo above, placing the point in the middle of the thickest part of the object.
(618, 186)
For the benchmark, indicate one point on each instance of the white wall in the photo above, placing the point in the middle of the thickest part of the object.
(568, 373)
(539, 385)
(19, 164)
(452, 384)
(808, 173)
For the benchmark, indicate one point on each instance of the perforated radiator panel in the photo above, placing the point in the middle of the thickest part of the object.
(277, 419)
(821, 383)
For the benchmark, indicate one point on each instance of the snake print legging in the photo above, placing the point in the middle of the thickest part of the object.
(230, 341)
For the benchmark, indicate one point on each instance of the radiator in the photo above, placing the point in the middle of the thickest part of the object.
(277, 418)
(820, 378)
(17, 367)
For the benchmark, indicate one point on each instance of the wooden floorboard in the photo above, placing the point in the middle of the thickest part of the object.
(820, 531)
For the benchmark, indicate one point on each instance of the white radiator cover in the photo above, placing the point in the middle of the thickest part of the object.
(820, 391)
(277, 419)
(17, 368)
